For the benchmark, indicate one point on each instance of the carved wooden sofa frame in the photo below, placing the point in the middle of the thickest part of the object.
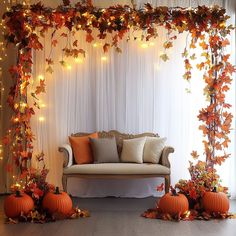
(164, 160)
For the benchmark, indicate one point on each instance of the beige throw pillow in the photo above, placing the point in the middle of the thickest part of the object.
(132, 150)
(152, 149)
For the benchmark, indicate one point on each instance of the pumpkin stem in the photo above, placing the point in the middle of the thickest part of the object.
(174, 193)
(214, 190)
(57, 190)
(18, 193)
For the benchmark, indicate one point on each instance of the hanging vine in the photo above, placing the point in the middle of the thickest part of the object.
(206, 26)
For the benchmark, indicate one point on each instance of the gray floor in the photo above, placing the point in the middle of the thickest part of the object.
(119, 217)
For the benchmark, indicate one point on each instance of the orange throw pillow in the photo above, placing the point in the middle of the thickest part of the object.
(81, 148)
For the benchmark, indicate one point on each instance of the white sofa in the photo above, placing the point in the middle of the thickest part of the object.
(116, 170)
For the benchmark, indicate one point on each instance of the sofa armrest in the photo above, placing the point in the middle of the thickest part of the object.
(165, 156)
(67, 155)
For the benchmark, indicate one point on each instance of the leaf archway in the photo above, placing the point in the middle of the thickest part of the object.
(207, 27)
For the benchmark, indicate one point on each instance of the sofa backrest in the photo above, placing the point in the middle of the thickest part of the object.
(119, 136)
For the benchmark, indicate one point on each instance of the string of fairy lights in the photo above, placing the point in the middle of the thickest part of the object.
(68, 65)
(5, 6)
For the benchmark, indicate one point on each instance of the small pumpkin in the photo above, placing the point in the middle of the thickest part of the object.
(215, 202)
(18, 203)
(57, 201)
(173, 203)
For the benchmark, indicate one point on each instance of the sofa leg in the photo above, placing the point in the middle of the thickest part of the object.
(167, 183)
(64, 183)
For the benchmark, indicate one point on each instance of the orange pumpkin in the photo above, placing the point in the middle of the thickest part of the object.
(57, 202)
(18, 203)
(173, 203)
(215, 202)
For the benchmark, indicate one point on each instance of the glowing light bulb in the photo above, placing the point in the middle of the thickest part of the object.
(41, 77)
(16, 119)
(68, 67)
(41, 119)
(23, 104)
(79, 60)
(95, 45)
(104, 58)
(17, 185)
(1, 158)
(43, 105)
(144, 45)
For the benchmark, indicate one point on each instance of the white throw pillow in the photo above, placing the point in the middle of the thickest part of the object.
(152, 149)
(132, 150)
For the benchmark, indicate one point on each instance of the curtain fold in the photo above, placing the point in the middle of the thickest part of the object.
(132, 92)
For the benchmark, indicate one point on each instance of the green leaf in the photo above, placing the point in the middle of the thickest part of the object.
(193, 56)
(185, 53)
(164, 57)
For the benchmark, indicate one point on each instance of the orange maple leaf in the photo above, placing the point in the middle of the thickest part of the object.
(200, 66)
(40, 88)
(24, 154)
(167, 44)
(225, 42)
(194, 154)
(203, 45)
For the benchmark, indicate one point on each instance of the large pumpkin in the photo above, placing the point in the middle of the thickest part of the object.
(173, 203)
(215, 202)
(57, 202)
(18, 203)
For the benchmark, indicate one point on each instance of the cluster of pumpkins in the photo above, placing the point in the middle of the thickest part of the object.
(19, 202)
(175, 203)
(172, 203)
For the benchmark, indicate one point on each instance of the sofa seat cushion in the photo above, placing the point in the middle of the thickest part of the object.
(117, 169)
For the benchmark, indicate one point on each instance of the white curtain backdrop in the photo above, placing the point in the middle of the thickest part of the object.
(132, 92)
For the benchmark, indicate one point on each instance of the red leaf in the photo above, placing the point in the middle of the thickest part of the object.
(192, 193)
(106, 47)
(54, 43)
(6, 140)
(160, 188)
(89, 38)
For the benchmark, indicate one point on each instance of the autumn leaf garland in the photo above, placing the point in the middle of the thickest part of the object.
(207, 29)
